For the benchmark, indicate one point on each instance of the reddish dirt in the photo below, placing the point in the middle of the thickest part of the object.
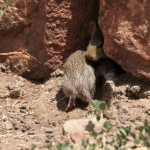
(33, 112)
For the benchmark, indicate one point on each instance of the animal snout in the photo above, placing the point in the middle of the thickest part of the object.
(89, 57)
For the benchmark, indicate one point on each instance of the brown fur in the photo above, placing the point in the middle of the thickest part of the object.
(79, 79)
(94, 50)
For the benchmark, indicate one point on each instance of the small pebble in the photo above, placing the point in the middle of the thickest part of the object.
(31, 133)
(48, 136)
(4, 136)
(37, 122)
(49, 131)
(23, 107)
(121, 121)
(22, 110)
(28, 127)
(3, 68)
(16, 127)
(148, 112)
(21, 121)
(15, 94)
(54, 123)
(9, 126)
(5, 119)
(24, 129)
(52, 99)
(17, 137)
(47, 140)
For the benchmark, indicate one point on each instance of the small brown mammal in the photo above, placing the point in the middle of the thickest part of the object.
(94, 50)
(79, 79)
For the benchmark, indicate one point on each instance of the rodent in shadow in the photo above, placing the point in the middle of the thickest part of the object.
(79, 79)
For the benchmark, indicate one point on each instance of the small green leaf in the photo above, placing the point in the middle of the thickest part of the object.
(65, 146)
(107, 126)
(96, 104)
(127, 129)
(49, 146)
(140, 128)
(85, 143)
(33, 146)
(124, 141)
(119, 136)
(102, 105)
(93, 134)
(92, 146)
(106, 148)
(108, 104)
(114, 142)
(98, 117)
(145, 123)
(147, 130)
(147, 142)
(137, 138)
(123, 133)
(98, 140)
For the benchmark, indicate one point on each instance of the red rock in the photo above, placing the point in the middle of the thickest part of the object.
(126, 27)
(49, 31)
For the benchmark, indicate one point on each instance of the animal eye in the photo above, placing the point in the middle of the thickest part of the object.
(100, 45)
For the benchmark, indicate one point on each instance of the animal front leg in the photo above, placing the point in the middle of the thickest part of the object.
(71, 103)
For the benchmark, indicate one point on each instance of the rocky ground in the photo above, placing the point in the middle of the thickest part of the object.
(33, 112)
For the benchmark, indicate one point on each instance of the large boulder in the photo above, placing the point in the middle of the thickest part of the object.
(126, 28)
(49, 31)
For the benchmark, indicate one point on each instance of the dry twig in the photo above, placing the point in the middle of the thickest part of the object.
(23, 54)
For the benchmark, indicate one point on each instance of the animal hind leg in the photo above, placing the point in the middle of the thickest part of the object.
(71, 103)
(89, 99)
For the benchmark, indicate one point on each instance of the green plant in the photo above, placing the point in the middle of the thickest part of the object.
(99, 107)
(4, 9)
(65, 146)
(49, 146)
(33, 146)
(123, 137)
(144, 134)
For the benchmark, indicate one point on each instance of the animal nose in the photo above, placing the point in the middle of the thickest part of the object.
(89, 57)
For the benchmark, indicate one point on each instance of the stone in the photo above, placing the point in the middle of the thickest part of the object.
(49, 131)
(46, 32)
(78, 136)
(126, 29)
(9, 125)
(5, 118)
(3, 68)
(75, 125)
(23, 107)
(15, 94)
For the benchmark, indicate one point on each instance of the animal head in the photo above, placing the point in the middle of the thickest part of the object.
(95, 48)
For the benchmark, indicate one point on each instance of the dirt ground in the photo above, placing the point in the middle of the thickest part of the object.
(33, 112)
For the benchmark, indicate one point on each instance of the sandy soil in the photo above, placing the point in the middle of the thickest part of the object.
(33, 112)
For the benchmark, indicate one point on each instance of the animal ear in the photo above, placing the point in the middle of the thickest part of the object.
(92, 27)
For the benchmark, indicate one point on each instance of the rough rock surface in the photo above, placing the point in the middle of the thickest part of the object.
(126, 27)
(75, 125)
(47, 30)
(120, 85)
